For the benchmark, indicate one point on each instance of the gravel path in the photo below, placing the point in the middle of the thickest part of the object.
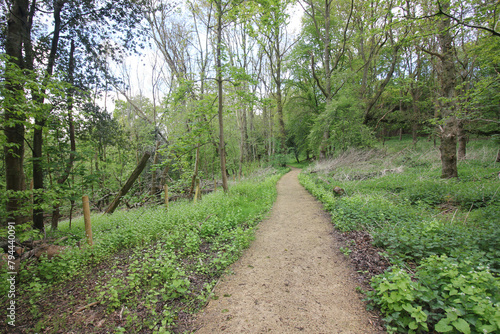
(292, 279)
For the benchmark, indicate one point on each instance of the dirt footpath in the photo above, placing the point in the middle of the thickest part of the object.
(292, 279)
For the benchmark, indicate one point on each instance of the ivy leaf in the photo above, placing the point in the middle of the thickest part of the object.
(443, 326)
(462, 326)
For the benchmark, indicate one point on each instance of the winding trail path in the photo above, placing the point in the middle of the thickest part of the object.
(292, 279)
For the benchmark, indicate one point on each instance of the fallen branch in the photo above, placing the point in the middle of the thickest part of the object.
(85, 307)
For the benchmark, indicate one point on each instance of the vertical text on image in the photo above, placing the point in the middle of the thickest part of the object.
(11, 274)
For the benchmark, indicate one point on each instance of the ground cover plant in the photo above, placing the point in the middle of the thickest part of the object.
(149, 268)
(440, 237)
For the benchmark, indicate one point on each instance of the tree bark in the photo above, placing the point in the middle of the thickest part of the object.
(14, 119)
(195, 172)
(414, 133)
(243, 138)
(462, 142)
(154, 178)
(126, 187)
(323, 145)
(71, 70)
(222, 149)
(40, 120)
(449, 128)
(279, 110)
(328, 74)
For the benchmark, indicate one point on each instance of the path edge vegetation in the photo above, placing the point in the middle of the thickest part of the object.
(444, 267)
(158, 264)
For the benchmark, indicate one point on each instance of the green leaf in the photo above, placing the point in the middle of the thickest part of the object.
(442, 326)
(462, 326)
(408, 308)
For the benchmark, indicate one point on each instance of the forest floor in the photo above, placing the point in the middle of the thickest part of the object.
(292, 279)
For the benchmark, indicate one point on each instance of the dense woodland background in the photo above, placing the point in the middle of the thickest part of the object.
(228, 87)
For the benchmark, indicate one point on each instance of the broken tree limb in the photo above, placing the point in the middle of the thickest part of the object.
(126, 187)
(86, 306)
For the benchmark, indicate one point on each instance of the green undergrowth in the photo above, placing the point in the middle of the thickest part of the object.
(171, 257)
(447, 230)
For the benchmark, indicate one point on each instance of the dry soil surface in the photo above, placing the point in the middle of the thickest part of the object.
(292, 279)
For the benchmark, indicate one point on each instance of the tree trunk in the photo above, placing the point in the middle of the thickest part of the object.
(414, 133)
(271, 133)
(462, 142)
(252, 146)
(244, 149)
(154, 181)
(328, 74)
(13, 126)
(38, 174)
(195, 172)
(279, 108)
(126, 187)
(266, 124)
(40, 120)
(448, 150)
(71, 70)
(449, 129)
(324, 145)
(222, 149)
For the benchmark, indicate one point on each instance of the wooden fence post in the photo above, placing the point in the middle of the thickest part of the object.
(197, 191)
(166, 195)
(86, 218)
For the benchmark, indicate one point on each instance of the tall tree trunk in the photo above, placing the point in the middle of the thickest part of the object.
(195, 172)
(222, 149)
(14, 119)
(449, 128)
(265, 118)
(328, 73)
(279, 94)
(462, 142)
(414, 117)
(40, 120)
(71, 70)
(324, 145)
(243, 138)
(154, 179)
(281, 122)
(271, 133)
(414, 133)
(251, 144)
